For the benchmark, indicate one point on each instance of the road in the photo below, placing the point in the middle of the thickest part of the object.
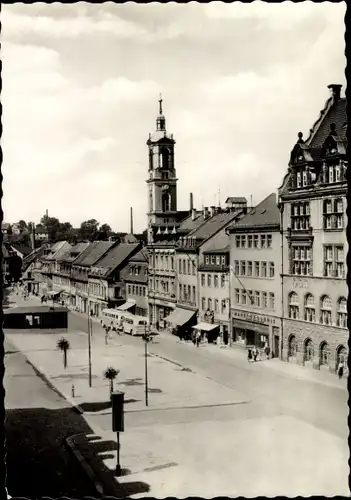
(37, 422)
(269, 392)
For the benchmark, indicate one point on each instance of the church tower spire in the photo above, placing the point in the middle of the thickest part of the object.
(161, 120)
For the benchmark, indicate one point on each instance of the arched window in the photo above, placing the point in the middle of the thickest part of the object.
(164, 158)
(292, 347)
(341, 355)
(309, 350)
(324, 354)
(310, 312)
(341, 314)
(326, 310)
(293, 306)
(166, 202)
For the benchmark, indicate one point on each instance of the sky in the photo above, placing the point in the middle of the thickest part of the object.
(80, 93)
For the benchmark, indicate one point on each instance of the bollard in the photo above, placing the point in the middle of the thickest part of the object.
(72, 390)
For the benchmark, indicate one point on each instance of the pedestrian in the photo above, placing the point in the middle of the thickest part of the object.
(193, 338)
(249, 355)
(340, 370)
(267, 351)
(198, 338)
(157, 325)
(255, 353)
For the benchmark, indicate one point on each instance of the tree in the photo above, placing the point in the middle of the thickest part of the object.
(88, 229)
(110, 374)
(52, 225)
(22, 224)
(63, 345)
(103, 233)
(15, 267)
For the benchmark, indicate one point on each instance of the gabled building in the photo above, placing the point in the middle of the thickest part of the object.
(81, 268)
(106, 277)
(255, 282)
(313, 205)
(44, 272)
(136, 283)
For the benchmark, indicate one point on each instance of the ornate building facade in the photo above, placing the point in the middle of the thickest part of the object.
(312, 201)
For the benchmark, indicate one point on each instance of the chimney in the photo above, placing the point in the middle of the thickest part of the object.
(32, 236)
(212, 211)
(131, 220)
(193, 213)
(47, 213)
(205, 212)
(335, 90)
(191, 202)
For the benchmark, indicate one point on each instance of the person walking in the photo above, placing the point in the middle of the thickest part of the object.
(255, 353)
(193, 338)
(249, 355)
(198, 338)
(340, 370)
(157, 325)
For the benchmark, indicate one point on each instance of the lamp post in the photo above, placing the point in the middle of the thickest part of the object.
(89, 341)
(146, 338)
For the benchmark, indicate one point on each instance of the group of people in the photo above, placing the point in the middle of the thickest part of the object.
(196, 338)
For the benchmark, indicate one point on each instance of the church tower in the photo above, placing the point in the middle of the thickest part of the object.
(162, 182)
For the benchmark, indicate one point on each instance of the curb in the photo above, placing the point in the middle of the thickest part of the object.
(69, 442)
(47, 381)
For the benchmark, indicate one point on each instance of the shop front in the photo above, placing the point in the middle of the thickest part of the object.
(180, 321)
(209, 331)
(254, 330)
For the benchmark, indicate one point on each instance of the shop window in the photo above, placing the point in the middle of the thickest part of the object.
(292, 347)
(309, 350)
(293, 305)
(324, 354)
(326, 310)
(341, 318)
(309, 312)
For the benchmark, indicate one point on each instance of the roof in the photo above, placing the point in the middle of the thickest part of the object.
(40, 229)
(334, 113)
(94, 252)
(189, 224)
(57, 250)
(236, 199)
(114, 258)
(140, 256)
(23, 249)
(35, 309)
(5, 252)
(265, 214)
(74, 252)
(214, 224)
(130, 238)
(5, 225)
(217, 250)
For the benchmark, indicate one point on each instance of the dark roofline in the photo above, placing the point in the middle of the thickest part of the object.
(253, 229)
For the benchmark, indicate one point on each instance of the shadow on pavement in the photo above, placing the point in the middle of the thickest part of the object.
(132, 381)
(95, 406)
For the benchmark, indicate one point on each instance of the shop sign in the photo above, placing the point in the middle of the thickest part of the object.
(253, 318)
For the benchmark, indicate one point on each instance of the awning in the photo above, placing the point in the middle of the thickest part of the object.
(247, 325)
(207, 327)
(127, 305)
(180, 316)
(52, 293)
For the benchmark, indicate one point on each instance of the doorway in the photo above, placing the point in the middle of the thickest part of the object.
(276, 346)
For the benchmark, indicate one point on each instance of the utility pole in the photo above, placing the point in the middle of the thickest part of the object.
(146, 338)
(89, 340)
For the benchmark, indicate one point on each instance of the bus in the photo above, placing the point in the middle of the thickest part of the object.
(134, 325)
(111, 318)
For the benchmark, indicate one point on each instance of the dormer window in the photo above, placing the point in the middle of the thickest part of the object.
(304, 178)
(298, 179)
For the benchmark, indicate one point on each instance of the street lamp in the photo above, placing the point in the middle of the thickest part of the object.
(146, 339)
(90, 326)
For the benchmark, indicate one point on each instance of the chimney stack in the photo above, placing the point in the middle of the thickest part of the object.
(335, 90)
(193, 214)
(47, 213)
(32, 236)
(212, 211)
(205, 212)
(191, 202)
(131, 220)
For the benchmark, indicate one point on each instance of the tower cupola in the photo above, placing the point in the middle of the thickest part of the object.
(161, 120)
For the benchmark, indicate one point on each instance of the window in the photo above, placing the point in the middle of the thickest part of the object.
(269, 241)
(326, 307)
(324, 354)
(341, 355)
(243, 297)
(301, 260)
(203, 303)
(224, 305)
(257, 268)
(334, 265)
(216, 305)
(271, 269)
(256, 241)
(293, 306)
(304, 178)
(223, 260)
(222, 280)
(213, 260)
(242, 268)
(237, 241)
(250, 297)
(300, 216)
(341, 315)
(292, 347)
(271, 301)
(249, 268)
(215, 281)
(189, 270)
(209, 302)
(207, 259)
(194, 294)
(263, 241)
(218, 261)
(309, 350)
(243, 241)
(208, 280)
(133, 292)
(180, 291)
(129, 289)
(333, 213)
(237, 296)
(236, 267)
(180, 266)
(172, 263)
(264, 269)
(249, 241)
(309, 312)
(264, 300)
(202, 280)
(298, 179)
(257, 299)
